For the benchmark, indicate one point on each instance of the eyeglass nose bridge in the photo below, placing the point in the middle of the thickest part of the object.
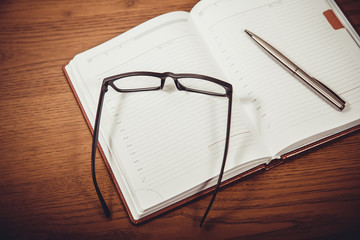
(171, 75)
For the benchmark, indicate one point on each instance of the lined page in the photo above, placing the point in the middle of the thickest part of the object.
(165, 142)
(285, 110)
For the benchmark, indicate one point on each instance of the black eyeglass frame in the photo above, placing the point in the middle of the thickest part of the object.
(109, 81)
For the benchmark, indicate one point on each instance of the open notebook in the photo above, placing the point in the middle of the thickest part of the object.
(165, 147)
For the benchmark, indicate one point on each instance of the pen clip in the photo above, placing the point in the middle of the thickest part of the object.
(340, 101)
(324, 86)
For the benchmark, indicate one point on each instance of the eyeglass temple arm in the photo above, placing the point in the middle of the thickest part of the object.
(104, 89)
(223, 162)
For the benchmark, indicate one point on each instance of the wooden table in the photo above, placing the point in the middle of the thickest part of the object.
(46, 191)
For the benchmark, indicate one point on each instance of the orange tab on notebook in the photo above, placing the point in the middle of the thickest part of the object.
(332, 19)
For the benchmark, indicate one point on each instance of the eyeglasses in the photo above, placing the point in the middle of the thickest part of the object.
(151, 81)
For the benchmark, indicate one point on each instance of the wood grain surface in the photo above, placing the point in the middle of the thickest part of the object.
(46, 191)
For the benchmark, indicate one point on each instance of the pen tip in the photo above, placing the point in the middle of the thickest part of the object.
(248, 32)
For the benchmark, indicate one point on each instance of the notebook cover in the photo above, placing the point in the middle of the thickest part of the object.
(272, 164)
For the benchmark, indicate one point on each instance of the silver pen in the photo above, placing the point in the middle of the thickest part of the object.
(326, 93)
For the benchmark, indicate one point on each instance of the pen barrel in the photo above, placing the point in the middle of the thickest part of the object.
(327, 94)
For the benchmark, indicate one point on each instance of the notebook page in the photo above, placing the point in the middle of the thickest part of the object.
(285, 111)
(165, 142)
